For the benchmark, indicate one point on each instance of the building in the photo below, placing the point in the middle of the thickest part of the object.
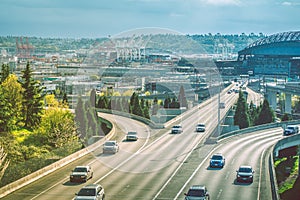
(276, 56)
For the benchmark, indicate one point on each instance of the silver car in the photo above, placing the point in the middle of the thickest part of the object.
(92, 191)
(110, 146)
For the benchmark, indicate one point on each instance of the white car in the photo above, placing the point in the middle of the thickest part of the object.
(131, 136)
(110, 146)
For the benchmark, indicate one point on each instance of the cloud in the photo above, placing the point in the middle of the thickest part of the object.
(222, 2)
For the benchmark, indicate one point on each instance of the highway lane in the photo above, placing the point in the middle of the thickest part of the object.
(141, 168)
(249, 149)
(57, 185)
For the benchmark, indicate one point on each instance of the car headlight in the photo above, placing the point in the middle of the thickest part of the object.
(71, 176)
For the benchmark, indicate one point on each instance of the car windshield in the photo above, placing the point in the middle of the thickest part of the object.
(201, 125)
(131, 133)
(245, 169)
(87, 192)
(290, 128)
(196, 193)
(80, 169)
(176, 126)
(217, 157)
(109, 143)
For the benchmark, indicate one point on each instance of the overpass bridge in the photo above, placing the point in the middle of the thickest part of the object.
(289, 89)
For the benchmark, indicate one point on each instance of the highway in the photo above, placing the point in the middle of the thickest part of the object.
(161, 165)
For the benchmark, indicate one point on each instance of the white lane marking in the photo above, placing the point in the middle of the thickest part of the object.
(219, 194)
(90, 164)
(194, 173)
(260, 172)
(227, 175)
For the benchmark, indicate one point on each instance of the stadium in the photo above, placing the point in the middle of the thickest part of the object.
(275, 56)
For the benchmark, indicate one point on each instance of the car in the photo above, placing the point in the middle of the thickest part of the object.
(291, 129)
(217, 160)
(92, 191)
(197, 192)
(81, 174)
(222, 105)
(131, 136)
(200, 128)
(176, 129)
(244, 174)
(110, 146)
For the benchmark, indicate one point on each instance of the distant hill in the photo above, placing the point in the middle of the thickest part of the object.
(207, 43)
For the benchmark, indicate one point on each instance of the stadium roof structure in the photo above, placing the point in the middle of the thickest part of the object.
(285, 43)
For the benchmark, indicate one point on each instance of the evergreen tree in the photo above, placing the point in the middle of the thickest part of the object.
(286, 117)
(252, 113)
(167, 102)
(33, 98)
(146, 112)
(125, 104)
(136, 108)
(80, 118)
(266, 115)
(102, 102)
(4, 72)
(93, 98)
(155, 106)
(182, 98)
(65, 99)
(92, 124)
(241, 114)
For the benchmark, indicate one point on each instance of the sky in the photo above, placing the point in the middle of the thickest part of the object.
(102, 18)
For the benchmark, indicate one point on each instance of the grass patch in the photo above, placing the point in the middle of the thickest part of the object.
(287, 174)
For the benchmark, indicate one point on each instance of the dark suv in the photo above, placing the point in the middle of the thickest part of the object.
(244, 174)
(197, 192)
(92, 191)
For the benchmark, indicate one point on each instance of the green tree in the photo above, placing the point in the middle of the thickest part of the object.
(155, 106)
(167, 102)
(33, 99)
(80, 118)
(241, 114)
(252, 113)
(93, 98)
(92, 123)
(266, 115)
(102, 102)
(136, 107)
(58, 126)
(286, 117)
(182, 98)
(4, 72)
(11, 104)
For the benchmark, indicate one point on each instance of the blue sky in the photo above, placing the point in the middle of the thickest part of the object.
(100, 18)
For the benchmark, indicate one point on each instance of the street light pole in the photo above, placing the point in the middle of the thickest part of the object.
(219, 101)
